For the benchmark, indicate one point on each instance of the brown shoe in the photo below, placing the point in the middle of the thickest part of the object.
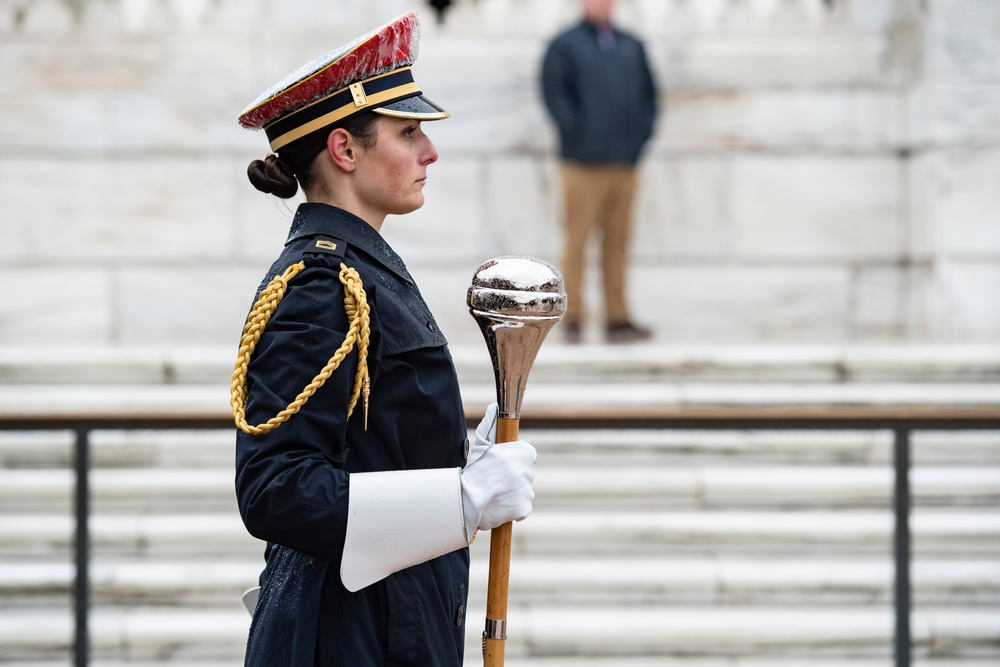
(572, 332)
(628, 332)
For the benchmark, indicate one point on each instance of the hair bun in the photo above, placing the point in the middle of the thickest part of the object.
(272, 176)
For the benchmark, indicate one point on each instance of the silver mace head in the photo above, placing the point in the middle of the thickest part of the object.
(515, 301)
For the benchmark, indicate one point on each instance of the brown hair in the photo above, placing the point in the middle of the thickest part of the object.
(281, 175)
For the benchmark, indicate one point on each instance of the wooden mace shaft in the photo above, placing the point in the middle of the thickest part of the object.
(497, 586)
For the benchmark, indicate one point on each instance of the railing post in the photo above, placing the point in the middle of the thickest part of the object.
(901, 495)
(81, 586)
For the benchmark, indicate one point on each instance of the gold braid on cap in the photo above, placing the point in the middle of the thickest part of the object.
(356, 304)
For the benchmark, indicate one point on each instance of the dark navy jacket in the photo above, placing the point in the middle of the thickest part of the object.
(292, 483)
(603, 100)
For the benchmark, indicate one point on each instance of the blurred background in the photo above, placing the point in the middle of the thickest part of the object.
(823, 171)
(819, 217)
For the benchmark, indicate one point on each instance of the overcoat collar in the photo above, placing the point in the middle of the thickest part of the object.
(313, 219)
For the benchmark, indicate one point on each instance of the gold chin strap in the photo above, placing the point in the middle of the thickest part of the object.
(356, 305)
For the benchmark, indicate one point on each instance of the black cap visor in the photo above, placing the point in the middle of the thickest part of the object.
(417, 107)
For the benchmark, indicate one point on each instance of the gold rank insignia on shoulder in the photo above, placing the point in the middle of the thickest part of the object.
(326, 245)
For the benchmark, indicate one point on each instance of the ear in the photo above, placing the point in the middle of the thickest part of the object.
(342, 149)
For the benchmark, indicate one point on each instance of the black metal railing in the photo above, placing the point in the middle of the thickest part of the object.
(901, 421)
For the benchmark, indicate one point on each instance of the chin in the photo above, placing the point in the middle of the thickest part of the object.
(409, 207)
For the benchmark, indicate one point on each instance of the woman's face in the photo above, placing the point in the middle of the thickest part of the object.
(391, 174)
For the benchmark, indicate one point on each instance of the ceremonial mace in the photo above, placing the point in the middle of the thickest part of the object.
(515, 301)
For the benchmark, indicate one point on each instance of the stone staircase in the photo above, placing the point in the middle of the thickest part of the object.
(647, 547)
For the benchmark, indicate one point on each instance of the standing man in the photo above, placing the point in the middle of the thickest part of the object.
(598, 88)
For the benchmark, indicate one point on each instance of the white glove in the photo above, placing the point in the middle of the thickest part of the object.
(497, 479)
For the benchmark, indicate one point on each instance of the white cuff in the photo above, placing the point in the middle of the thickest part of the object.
(250, 597)
(397, 519)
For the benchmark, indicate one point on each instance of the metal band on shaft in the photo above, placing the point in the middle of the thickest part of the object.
(495, 629)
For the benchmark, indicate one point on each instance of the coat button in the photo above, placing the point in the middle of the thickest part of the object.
(465, 448)
(460, 616)
(432, 327)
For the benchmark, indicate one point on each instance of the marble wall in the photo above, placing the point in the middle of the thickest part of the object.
(824, 171)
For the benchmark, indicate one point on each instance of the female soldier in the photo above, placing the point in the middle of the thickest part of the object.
(363, 486)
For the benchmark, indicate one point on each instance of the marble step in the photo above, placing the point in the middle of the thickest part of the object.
(163, 489)
(145, 632)
(608, 402)
(221, 534)
(558, 363)
(868, 531)
(473, 659)
(720, 580)
(215, 448)
(740, 631)
(756, 363)
(760, 531)
(764, 447)
(191, 449)
(716, 580)
(741, 661)
(761, 486)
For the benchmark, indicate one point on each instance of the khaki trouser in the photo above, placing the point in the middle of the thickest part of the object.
(597, 198)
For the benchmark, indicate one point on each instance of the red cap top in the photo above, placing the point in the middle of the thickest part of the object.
(382, 50)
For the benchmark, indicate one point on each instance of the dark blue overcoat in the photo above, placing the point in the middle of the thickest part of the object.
(292, 483)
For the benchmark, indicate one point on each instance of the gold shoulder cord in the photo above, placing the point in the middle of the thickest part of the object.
(358, 312)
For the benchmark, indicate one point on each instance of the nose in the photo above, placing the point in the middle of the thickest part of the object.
(430, 153)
